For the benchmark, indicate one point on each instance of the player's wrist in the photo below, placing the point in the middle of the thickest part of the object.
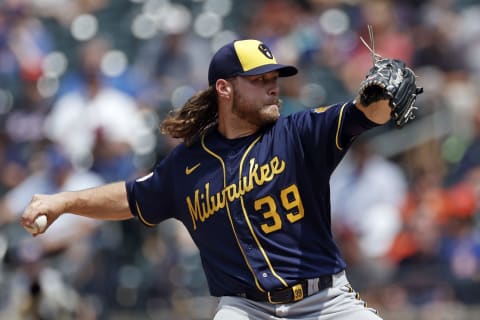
(66, 201)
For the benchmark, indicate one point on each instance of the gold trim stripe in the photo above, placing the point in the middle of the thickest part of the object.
(338, 127)
(140, 215)
(264, 254)
(210, 152)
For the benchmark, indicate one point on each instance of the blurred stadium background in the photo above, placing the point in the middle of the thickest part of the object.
(84, 83)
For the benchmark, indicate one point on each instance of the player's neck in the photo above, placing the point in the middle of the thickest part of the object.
(233, 132)
(232, 127)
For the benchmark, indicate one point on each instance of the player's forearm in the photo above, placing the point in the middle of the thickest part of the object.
(108, 202)
(378, 112)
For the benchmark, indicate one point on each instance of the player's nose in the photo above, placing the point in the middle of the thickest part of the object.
(274, 89)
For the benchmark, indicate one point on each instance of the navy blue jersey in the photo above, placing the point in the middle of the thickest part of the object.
(257, 207)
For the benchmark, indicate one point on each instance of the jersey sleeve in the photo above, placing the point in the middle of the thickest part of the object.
(151, 197)
(326, 133)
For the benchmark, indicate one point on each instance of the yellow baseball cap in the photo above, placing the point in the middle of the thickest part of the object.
(245, 58)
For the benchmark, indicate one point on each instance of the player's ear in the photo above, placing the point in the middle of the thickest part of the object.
(224, 89)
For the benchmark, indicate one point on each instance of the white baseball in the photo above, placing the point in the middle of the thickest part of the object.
(39, 225)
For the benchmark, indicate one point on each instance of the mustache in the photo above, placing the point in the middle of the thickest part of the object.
(278, 102)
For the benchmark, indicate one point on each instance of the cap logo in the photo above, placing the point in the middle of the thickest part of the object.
(265, 50)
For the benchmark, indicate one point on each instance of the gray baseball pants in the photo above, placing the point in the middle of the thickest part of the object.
(340, 302)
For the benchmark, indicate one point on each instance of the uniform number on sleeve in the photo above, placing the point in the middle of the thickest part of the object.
(290, 201)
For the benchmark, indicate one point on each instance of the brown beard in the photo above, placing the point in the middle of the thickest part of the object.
(254, 114)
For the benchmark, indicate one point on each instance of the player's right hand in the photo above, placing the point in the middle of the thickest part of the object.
(41, 204)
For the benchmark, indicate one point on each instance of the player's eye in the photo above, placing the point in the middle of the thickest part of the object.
(264, 79)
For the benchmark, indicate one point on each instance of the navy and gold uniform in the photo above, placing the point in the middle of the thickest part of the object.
(251, 187)
(257, 207)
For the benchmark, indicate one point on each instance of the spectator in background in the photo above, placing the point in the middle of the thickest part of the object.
(367, 192)
(65, 11)
(11, 172)
(274, 20)
(96, 124)
(24, 133)
(24, 124)
(58, 175)
(436, 248)
(24, 42)
(47, 281)
(461, 246)
(390, 40)
(166, 62)
(471, 158)
(423, 274)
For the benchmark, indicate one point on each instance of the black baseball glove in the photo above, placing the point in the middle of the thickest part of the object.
(392, 79)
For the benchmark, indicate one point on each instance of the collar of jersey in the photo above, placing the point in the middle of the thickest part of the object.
(235, 141)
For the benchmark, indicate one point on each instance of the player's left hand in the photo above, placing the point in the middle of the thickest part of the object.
(391, 79)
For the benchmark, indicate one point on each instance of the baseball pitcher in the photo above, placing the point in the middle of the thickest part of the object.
(252, 187)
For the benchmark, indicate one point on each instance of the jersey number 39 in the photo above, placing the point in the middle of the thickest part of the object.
(291, 202)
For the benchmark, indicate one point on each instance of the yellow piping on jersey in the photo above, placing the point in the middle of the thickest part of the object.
(250, 225)
(337, 143)
(140, 215)
(210, 152)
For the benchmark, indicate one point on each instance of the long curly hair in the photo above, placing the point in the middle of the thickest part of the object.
(195, 117)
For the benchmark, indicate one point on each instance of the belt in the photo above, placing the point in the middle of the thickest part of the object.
(296, 292)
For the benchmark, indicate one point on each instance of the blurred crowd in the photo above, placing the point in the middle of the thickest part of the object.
(84, 84)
